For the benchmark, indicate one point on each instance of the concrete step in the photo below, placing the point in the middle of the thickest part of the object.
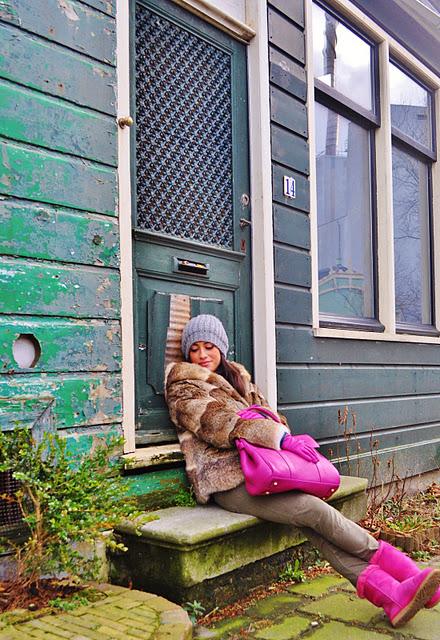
(205, 553)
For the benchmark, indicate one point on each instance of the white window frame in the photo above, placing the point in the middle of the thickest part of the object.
(388, 48)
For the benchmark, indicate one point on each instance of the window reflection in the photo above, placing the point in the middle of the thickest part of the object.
(341, 58)
(410, 107)
(411, 239)
(344, 216)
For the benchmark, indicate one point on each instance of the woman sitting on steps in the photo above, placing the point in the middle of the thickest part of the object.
(204, 395)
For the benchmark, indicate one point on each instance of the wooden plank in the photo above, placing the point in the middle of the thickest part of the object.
(106, 6)
(48, 233)
(289, 149)
(38, 288)
(79, 400)
(28, 116)
(300, 346)
(404, 462)
(340, 383)
(302, 200)
(292, 267)
(66, 345)
(291, 227)
(321, 420)
(29, 413)
(68, 23)
(56, 71)
(284, 35)
(288, 112)
(293, 306)
(287, 74)
(293, 9)
(56, 179)
(350, 446)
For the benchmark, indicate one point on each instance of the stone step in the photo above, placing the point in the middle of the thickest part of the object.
(209, 554)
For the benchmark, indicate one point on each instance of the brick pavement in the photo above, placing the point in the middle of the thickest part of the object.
(122, 614)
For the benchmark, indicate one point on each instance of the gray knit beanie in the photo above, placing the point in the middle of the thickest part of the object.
(204, 328)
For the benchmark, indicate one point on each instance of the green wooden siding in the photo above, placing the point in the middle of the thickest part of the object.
(56, 70)
(391, 390)
(40, 231)
(59, 235)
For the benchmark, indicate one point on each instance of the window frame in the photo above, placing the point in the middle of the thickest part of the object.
(387, 50)
(331, 98)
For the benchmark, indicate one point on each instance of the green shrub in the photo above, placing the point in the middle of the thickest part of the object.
(64, 501)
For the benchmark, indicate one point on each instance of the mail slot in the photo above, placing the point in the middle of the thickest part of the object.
(181, 265)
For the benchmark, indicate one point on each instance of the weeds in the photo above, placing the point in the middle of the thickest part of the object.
(195, 610)
(70, 604)
(292, 572)
(184, 498)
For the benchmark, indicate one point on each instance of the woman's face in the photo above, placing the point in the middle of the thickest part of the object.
(205, 354)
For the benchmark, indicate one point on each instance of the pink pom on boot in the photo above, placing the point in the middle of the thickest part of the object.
(400, 600)
(399, 566)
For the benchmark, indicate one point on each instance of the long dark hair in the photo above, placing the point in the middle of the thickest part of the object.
(230, 374)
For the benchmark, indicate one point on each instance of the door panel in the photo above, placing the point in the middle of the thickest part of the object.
(190, 140)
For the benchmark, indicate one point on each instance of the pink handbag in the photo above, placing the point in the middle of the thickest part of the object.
(270, 471)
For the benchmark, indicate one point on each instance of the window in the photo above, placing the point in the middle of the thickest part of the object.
(349, 120)
(411, 161)
(345, 116)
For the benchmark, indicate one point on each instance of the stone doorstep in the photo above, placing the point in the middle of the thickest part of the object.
(186, 546)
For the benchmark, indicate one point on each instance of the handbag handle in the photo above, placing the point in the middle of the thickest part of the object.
(263, 410)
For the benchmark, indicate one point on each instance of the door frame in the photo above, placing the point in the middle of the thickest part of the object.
(262, 273)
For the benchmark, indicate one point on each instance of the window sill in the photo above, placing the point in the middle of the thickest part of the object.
(324, 332)
(154, 456)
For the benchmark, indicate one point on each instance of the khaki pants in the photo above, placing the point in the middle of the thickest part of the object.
(343, 543)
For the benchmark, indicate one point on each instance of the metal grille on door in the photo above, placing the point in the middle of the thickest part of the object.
(183, 133)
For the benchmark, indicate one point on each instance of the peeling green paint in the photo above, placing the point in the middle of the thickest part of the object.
(79, 400)
(51, 289)
(27, 116)
(59, 232)
(51, 233)
(8, 12)
(71, 24)
(66, 345)
(156, 489)
(56, 70)
(57, 179)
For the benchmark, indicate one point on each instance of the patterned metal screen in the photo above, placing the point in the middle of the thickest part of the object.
(183, 133)
(10, 514)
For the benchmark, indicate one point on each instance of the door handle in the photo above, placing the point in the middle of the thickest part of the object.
(245, 223)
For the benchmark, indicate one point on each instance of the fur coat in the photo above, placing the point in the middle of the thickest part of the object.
(203, 406)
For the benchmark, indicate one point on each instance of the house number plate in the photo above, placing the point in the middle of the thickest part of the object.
(289, 185)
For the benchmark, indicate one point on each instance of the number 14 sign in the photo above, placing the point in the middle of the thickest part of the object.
(289, 187)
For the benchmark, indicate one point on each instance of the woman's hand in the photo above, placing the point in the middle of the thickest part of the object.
(303, 446)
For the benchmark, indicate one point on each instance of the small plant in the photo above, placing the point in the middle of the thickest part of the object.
(292, 572)
(64, 501)
(422, 556)
(195, 610)
(184, 498)
(407, 524)
(62, 604)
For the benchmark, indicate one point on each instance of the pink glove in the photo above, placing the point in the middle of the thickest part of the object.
(304, 446)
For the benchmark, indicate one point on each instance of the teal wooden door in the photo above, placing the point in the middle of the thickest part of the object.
(191, 194)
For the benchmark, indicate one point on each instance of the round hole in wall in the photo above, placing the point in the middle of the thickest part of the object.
(26, 350)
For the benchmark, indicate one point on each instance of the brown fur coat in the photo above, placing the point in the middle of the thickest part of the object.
(203, 406)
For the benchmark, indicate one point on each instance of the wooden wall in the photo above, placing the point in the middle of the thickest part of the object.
(391, 390)
(59, 277)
